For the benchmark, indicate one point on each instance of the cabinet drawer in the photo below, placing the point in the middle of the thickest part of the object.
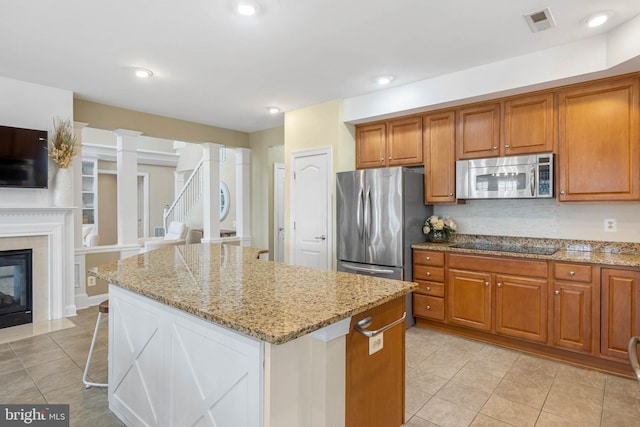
(572, 272)
(431, 288)
(435, 274)
(432, 258)
(428, 307)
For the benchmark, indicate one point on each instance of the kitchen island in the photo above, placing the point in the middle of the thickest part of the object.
(210, 334)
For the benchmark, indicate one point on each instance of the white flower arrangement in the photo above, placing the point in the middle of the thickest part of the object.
(436, 223)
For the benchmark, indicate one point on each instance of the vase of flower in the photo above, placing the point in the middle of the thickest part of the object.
(438, 230)
(63, 145)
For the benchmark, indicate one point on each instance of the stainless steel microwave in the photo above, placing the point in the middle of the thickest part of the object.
(516, 177)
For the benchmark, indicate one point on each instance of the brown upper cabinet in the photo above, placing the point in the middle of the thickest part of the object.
(396, 142)
(439, 157)
(478, 131)
(528, 125)
(599, 142)
(371, 145)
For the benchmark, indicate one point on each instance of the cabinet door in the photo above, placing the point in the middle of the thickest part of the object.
(404, 142)
(371, 141)
(521, 307)
(620, 318)
(599, 142)
(439, 158)
(572, 316)
(469, 299)
(528, 125)
(375, 382)
(478, 133)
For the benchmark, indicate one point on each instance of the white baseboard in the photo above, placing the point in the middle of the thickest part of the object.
(70, 310)
(97, 299)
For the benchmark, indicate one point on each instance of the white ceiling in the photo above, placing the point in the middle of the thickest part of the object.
(215, 67)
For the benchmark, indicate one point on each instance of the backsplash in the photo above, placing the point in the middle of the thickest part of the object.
(545, 219)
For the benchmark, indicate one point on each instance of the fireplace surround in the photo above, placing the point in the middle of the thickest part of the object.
(49, 232)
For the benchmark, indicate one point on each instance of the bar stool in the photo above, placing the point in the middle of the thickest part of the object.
(103, 308)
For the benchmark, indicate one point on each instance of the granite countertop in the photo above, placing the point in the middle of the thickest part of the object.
(584, 251)
(227, 285)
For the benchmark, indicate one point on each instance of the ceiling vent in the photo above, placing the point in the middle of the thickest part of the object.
(540, 20)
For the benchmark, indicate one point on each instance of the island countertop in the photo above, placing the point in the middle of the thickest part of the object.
(228, 285)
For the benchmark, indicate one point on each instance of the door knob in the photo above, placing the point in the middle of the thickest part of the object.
(557, 292)
(499, 285)
(323, 237)
(486, 283)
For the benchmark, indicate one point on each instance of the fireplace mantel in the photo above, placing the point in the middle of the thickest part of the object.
(56, 224)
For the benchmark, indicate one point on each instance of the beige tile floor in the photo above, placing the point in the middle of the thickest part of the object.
(451, 382)
(454, 382)
(48, 368)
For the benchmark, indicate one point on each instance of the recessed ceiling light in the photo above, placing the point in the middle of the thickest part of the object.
(599, 18)
(384, 80)
(273, 110)
(247, 7)
(143, 73)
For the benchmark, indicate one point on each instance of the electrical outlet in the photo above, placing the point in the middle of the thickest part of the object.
(91, 281)
(376, 343)
(610, 225)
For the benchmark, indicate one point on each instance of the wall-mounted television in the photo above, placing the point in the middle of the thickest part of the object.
(23, 158)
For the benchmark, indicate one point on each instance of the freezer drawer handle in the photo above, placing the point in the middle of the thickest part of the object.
(633, 356)
(366, 322)
(368, 270)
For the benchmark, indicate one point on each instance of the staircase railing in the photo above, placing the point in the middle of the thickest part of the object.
(187, 198)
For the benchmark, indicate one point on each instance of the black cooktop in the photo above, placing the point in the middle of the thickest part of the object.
(506, 248)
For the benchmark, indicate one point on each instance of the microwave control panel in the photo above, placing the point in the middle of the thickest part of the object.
(545, 177)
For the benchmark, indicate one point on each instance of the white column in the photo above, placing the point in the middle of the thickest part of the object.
(77, 184)
(243, 195)
(127, 158)
(211, 193)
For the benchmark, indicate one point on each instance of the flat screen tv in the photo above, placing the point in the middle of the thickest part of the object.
(23, 158)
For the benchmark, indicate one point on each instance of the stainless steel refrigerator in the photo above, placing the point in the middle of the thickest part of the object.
(380, 214)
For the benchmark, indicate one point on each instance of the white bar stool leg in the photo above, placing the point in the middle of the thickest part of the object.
(86, 382)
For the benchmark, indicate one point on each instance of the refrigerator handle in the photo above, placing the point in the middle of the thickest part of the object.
(360, 213)
(367, 211)
(370, 214)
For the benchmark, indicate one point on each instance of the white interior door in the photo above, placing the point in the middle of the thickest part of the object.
(278, 212)
(143, 205)
(310, 208)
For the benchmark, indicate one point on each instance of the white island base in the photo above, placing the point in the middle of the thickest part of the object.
(171, 368)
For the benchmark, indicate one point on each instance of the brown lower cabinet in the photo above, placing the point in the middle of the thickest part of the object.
(508, 298)
(583, 313)
(375, 382)
(576, 307)
(620, 316)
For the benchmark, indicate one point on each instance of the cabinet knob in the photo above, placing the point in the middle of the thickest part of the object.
(450, 194)
(428, 288)
(506, 146)
(486, 283)
(428, 273)
(557, 292)
(562, 193)
(499, 285)
(382, 159)
(572, 273)
(428, 258)
(389, 157)
(495, 147)
(428, 307)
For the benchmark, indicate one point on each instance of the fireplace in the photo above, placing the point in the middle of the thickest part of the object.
(16, 287)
